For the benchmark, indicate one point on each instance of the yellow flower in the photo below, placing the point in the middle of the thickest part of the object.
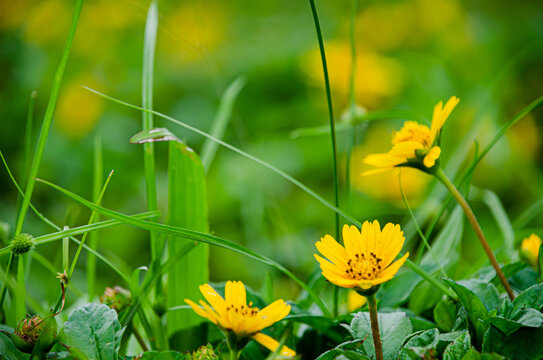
(233, 314)
(530, 249)
(366, 259)
(415, 145)
(355, 300)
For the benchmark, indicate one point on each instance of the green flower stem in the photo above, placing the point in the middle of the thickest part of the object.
(440, 174)
(4, 288)
(372, 306)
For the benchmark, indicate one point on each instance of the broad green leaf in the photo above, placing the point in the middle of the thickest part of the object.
(327, 326)
(475, 308)
(524, 279)
(165, 355)
(485, 291)
(508, 270)
(445, 314)
(350, 349)
(524, 344)
(458, 348)
(475, 355)
(423, 344)
(524, 318)
(529, 298)
(393, 327)
(187, 208)
(95, 331)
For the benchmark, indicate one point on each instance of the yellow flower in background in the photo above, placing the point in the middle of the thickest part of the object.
(48, 22)
(530, 249)
(367, 258)
(377, 77)
(355, 301)
(233, 314)
(78, 109)
(414, 145)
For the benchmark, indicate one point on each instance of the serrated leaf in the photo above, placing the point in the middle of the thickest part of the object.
(458, 348)
(165, 355)
(475, 308)
(420, 345)
(486, 292)
(475, 355)
(524, 344)
(393, 327)
(94, 330)
(529, 298)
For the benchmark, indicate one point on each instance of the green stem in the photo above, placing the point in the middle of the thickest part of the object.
(352, 38)
(330, 110)
(440, 174)
(3, 293)
(438, 284)
(372, 306)
(332, 133)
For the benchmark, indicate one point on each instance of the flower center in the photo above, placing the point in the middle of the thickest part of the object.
(364, 266)
(243, 310)
(413, 131)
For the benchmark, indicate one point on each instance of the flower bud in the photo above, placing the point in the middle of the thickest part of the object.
(116, 298)
(34, 328)
(530, 249)
(205, 352)
(21, 244)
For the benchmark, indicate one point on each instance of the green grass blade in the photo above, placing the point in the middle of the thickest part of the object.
(20, 307)
(93, 236)
(28, 142)
(149, 44)
(192, 235)
(48, 119)
(528, 215)
(187, 208)
(218, 127)
(65, 251)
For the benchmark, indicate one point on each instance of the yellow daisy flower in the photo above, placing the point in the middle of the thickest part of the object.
(530, 249)
(366, 260)
(414, 145)
(234, 315)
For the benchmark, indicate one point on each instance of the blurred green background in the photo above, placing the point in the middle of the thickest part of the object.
(410, 55)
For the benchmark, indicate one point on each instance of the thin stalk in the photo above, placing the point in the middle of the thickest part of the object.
(97, 182)
(65, 250)
(8, 267)
(424, 240)
(440, 174)
(352, 39)
(372, 307)
(140, 339)
(330, 110)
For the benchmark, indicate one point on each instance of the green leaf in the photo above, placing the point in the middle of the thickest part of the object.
(95, 331)
(445, 314)
(323, 324)
(529, 298)
(165, 355)
(475, 308)
(458, 348)
(422, 345)
(475, 355)
(187, 208)
(485, 291)
(524, 344)
(393, 327)
(8, 351)
(524, 318)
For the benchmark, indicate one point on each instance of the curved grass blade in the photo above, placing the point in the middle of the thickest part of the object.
(528, 215)
(193, 235)
(93, 236)
(218, 127)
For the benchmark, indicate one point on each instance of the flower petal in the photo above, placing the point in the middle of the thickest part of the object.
(272, 344)
(333, 251)
(441, 114)
(392, 240)
(390, 271)
(432, 156)
(213, 298)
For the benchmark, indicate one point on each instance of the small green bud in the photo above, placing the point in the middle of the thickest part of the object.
(21, 244)
(205, 352)
(159, 306)
(116, 298)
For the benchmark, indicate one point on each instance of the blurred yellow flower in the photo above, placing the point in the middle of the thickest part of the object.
(78, 109)
(355, 300)
(414, 145)
(366, 260)
(530, 249)
(48, 21)
(192, 30)
(13, 13)
(233, 314)
(377, 77)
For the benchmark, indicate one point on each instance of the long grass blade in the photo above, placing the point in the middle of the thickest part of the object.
(218, 127)
(193, 235)
(149, 44)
